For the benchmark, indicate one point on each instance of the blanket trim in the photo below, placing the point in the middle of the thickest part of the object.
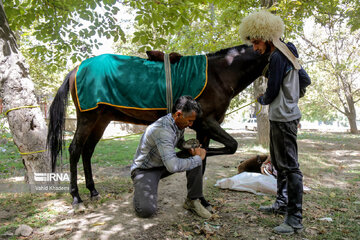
(134, 108)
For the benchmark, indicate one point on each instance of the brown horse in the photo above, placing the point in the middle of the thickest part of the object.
(228, 74)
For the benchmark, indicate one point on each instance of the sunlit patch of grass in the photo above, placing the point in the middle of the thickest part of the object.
(356, 174)
(26, 208)
(108, 189)
(339, 138)
(339, 205)
(114, 152)
(311, 164)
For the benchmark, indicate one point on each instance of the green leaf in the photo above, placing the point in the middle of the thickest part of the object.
(73, 58)
(115, 10)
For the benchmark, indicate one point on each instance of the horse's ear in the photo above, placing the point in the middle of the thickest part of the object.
(157, 56)
(175, 57)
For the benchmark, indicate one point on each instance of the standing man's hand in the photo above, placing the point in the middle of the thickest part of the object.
(260, 96)
(263, 165)
(259, 99)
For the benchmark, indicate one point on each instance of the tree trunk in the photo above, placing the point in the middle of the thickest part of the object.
(352, 123)
(263, 124)
(260, 85)
(351, 115)
(27, 125)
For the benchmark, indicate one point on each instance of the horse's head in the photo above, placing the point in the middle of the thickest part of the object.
(243, 54)
(240, 64)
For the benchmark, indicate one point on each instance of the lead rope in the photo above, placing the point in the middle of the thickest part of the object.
(169, 96)
(245, 106)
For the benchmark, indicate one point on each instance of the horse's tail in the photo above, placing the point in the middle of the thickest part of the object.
(56, 126)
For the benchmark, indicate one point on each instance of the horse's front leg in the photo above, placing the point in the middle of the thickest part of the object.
(204, 140)
(215, 132)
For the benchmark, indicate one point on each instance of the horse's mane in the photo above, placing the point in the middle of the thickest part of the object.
(224, 51)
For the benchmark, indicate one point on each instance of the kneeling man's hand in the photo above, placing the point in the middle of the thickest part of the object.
(198, 151)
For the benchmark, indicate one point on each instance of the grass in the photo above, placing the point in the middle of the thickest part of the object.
(338, 204)
(121, 151)
(336, 138)
(26, 208)
(108, 153)
(327, 161)
(10, 158)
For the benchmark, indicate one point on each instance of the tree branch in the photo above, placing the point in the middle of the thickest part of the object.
(333, 105)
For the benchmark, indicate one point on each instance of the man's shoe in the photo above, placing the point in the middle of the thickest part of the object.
(286, 229)
(271, 209)
(210, 209)
(206, 205)
(196, 207)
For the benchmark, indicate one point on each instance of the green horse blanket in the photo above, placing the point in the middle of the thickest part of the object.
(137, 83)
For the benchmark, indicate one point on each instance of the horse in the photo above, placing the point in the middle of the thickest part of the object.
(228, 74)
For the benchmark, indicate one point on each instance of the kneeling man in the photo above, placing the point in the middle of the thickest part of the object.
(155, 158)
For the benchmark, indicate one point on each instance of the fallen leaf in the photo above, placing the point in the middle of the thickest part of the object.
(97, 224)
(266, 198)
(252, 218)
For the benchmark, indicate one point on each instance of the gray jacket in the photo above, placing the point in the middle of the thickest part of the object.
(284, 108)
(157, 148)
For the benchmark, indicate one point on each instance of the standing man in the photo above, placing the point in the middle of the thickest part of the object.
(286, 82)
(155, 158)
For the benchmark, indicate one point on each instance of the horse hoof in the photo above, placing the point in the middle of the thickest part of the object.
(95, 198)
(80, 207)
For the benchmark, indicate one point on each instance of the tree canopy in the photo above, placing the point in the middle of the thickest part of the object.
(52, 32)
(58, 29)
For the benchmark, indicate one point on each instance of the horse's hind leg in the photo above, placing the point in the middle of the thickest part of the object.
(83, 130)
(87, 153)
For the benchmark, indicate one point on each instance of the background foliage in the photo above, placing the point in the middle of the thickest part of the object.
(56, 35)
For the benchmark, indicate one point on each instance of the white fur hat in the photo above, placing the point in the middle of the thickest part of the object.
(267, 27)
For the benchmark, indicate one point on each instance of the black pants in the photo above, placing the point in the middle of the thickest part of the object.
(284, 157)
(146, 183)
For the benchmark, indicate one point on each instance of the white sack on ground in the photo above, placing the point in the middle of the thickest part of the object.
(256, 183)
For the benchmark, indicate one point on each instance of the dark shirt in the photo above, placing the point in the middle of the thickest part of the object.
(279, 66)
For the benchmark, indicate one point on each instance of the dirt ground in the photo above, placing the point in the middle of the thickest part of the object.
(236, 215)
